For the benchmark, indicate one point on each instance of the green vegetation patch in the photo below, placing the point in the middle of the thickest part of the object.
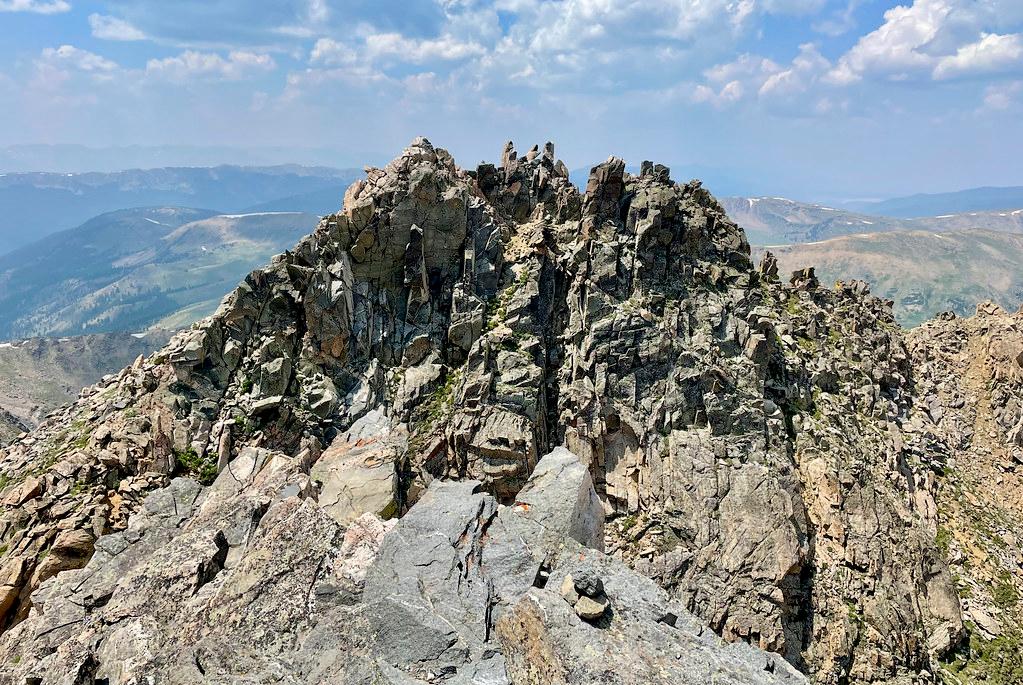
(202, 469)
(434, 411)
(943, 538)
(1004, 593)
(497, 308)
(993, 662)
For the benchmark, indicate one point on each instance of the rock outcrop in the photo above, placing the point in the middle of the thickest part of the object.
(250, 580)
(750, 449)
(969, 375)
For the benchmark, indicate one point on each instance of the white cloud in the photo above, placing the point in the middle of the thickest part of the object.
(572, 24)
(897, 47)
(112, 28)
(37, 6)
(417, 51)
(936, 39)
(1001, 96)
(75, 58)
(806, 68)
(615, 46)
(191, 65)
(746, 66)
(729, 93)
(300, 84)
(331, 53)
(992, 53)
(751, 75)
(58, 68)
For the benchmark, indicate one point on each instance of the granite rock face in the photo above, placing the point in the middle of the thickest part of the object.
(728, 456)
(250, 580)
(970, 429)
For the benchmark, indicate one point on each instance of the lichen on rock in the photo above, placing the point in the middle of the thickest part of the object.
(534, 383)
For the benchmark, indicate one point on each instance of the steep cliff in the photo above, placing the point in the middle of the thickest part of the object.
(755, 447)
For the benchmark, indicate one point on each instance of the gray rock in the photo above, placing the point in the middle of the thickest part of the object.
(358, 472)
(591, 608)
(758, 447)
(560, 497)
(587, 582)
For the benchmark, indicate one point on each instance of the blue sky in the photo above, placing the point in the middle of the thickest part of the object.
(812, 98)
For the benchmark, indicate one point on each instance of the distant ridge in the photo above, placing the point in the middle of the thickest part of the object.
(319, 202)
(33, 205)
(932, 204)
(133, 268)
(778, 220)
(922, 272)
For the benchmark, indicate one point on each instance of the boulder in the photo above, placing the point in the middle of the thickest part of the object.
(560, 497)
(358, 472)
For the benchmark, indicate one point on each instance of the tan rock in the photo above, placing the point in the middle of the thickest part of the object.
(591, 608)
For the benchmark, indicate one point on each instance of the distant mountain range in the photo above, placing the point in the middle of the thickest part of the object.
(65, 158)
(925, 265)
(776, 220)
(922, 205)
(921, 271)
(33, 205)
(135, 268)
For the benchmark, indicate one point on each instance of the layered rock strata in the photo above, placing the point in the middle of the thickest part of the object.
(753, 447)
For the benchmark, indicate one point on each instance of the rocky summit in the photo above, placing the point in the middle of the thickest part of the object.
(480, 427)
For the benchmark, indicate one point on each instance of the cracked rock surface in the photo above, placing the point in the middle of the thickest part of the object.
(382, 456)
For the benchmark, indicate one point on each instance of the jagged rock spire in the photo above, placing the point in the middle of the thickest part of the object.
(424, 347)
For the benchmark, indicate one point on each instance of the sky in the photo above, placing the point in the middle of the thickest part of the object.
(823, 99)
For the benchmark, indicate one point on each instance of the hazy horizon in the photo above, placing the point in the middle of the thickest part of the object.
(80, 159)
(821, 98)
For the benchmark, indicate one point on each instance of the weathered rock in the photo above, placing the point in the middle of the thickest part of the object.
(591, 608)
(560, 497)
(770, 455)
(358, 472)
(643, 638)
(587, 583)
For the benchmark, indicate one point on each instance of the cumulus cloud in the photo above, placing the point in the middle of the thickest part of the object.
(992, 53)
(192, 64)
(897, 47)
(728, 94)
(574, 24)
(78, 59)
(112, 28)
(583, 58)
(764, 79)
(806, 69)
(68, 68)
(331, 53)
(937, 39)
(417, 51)
(36, 6)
